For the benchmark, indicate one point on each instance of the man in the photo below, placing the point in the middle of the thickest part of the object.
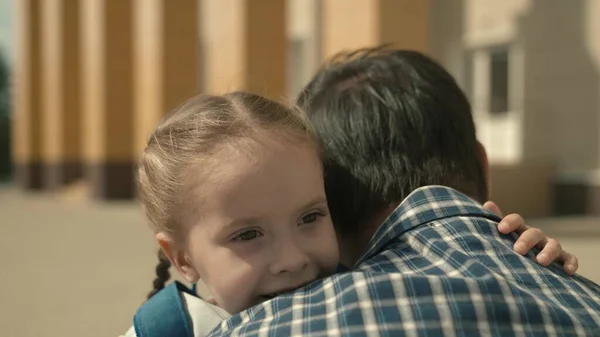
(406, 177)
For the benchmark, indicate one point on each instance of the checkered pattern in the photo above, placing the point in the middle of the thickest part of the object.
(437, 267)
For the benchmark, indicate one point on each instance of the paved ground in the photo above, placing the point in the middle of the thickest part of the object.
(72, 268)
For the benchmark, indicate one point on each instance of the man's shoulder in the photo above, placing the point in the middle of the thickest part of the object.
(420, 303)
(334, 303)
(426, 206)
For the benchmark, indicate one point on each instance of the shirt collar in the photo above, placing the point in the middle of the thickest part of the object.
(423, 205)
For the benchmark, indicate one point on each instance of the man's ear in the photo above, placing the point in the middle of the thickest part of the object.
(178, 257)
(485, 167)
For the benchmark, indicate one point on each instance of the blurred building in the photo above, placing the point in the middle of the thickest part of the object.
(532, 71)
(93, 77)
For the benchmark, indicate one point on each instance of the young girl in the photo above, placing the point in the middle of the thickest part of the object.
(233, 188)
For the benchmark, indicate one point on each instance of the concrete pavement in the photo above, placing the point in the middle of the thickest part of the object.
(75, 268)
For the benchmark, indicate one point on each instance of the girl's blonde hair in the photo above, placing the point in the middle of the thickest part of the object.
(194, 134)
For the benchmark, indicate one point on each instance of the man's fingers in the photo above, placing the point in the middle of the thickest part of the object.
(529, 239)
(551, 251)
(491, 206)
(512, 223)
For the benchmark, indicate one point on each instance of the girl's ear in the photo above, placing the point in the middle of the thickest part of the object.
(178, 258)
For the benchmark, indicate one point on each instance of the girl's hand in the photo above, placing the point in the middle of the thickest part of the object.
(531, 237)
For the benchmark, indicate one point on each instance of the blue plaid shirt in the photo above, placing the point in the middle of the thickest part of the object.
(436, 267)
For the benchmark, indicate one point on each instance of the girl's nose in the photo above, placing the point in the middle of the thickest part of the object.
(290, 259)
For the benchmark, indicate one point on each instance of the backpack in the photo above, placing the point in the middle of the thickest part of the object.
(165, 314)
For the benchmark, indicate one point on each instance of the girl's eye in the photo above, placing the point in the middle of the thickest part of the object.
(310, 218)
(247, 235)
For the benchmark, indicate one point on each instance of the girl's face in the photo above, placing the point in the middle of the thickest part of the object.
(262, 226)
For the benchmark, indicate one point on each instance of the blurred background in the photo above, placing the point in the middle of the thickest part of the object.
(83, 82)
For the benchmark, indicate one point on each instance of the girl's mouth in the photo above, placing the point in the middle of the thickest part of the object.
(283, 291)
(270, 296)
(267, 297)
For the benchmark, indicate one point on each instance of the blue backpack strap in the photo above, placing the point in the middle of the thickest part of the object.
(164, 314)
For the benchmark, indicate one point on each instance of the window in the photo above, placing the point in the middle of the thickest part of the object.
(496, 81)
(297, 66)
(489, 82)
(499, 81)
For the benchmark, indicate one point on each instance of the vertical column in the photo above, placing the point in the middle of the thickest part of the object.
(166, 60)
(244, 45)
(354, 24)
(60, 92)
(107, 94)
(27, 141)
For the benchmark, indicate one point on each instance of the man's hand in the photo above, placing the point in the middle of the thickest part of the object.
(531, 237)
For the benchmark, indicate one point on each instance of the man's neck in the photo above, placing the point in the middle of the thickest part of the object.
(353, 246)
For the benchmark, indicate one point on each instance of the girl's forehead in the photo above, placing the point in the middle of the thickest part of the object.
(280, 176)
(234, 160)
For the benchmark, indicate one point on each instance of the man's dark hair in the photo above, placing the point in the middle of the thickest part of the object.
(390, 121)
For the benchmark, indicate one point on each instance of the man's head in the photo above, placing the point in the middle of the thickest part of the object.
(389, 122)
